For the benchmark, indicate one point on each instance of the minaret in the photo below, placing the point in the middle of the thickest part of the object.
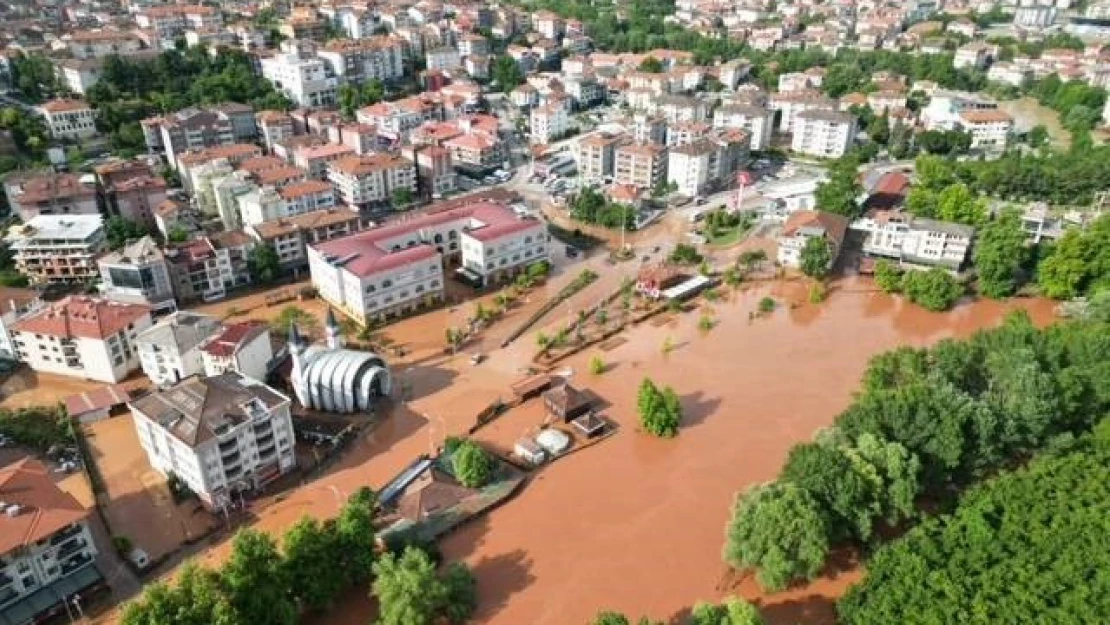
(296, 352)
(335, 341)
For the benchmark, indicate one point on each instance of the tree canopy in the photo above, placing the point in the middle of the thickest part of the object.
(660, 409)
(472, 465)
(816, 257)
(411, 592)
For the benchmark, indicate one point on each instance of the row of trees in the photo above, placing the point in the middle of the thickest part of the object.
(925, 422)
(935, 289)
(315, 564)
(732, 611)
(591, 206)
(1029, 546)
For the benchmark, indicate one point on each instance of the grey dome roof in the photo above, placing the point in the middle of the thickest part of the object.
(341, 380)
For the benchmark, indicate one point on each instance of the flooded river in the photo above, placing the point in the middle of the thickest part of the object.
(637, 524)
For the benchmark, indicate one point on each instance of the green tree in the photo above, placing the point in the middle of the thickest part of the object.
(660, 410)
(597, 365)
(685, 254)
(349, 100)
(255, 578)
(888, 277)
(472, 465)
(506, 72)
(780, 530)
(651, 65)
(263, 263)
(816, 256)
(1000, 254)
(120, 230)
(1063, 273)
(177, 234)
(409, 591)
(957, 204)
(195, 599)
(833, 480)
(311, 553)
(462, 593)
(734, 611)
(306, 322)
(372, 92)
(355, 531)
(610, 618)
(402, 196)
(838, 194)
(935, 289)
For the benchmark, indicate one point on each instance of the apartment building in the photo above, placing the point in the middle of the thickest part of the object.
(756, 120)
(945, 109)
(169, 22)
(274, 127)
(200, 168)
(990, 129)
(804, 225)
(399, 268)
(306, 80)
(243, 347)
(99, 43)
(595, 155)
(58, 248)
(548, 25)
(358, 60)
(83, 337)
(269, 204)
(435, 171)
(789, 105)
(206, 268)
(190, 129)
(975, 55)
(138, 274)
(915, 241)
(47, 551)
(476, 151)
(289, 236)
(69, 119)
(707, 164)
(14, 304)
(35, 193)
(314, 159)
(649, 128)
(132, 190)
(373, 178)
(170, 350)
(641, 165)
(824, 134)
(678, 108)
(548, 123)
(224, 436)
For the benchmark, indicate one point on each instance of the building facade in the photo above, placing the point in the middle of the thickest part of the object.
(169, 351)
(138, 274)
(824, 134)
(58, 248)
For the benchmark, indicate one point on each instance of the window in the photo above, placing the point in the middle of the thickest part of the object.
(386, 284)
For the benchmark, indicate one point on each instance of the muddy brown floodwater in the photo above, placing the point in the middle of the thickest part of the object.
(636, 524)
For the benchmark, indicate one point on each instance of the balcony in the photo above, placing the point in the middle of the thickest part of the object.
(66, 534)
(77, 561)
(231, 458)
(70, 547)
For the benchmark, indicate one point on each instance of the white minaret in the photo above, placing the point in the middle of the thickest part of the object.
(296, 352)
(335, 341)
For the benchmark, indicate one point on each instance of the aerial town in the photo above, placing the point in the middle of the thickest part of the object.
(592, 312)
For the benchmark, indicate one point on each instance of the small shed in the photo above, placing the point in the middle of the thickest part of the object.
(96, 404)
(527, 450)
(653, 280)
(590, 425)
(553, 441)
(566, 402)
(531, 387)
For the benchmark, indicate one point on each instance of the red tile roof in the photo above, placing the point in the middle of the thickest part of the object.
(97, 399)
(233, 337)
(43, 508)
(81, 316)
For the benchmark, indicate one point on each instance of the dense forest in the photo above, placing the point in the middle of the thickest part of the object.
(926, 424)
(1032, 546)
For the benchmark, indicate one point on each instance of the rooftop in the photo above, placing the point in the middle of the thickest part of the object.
(183, 330)
(233, 337)
(70, 227)
(81, 316)
(142, 251)
(39, 508)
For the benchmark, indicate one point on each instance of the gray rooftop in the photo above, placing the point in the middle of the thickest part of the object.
(182, 331)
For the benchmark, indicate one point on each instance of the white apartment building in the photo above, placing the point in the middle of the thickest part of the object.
(69, 120)
(399, 268)
(825, 134)
(548, 123)
(704, 165)
(224, 436)
(804, 225)
(14, 304)
(242, 347)
(83, 337)
(946, 107)
(307, 81)
(94, 44)
(270, 204)
(439, 59)
(371, 178)
(58, 248)
(989, 129)
(789, 105)
(915, 241)
(47, 552)
(595, 155)
(1035, 16)
(358, 60)
(138, 274)
(168, 22)
(169, 351)
(641, 165)
(975, 55)
(756, 120)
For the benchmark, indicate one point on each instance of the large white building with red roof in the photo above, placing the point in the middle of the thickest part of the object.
(46, 548)
(83, 337)
(399, 268)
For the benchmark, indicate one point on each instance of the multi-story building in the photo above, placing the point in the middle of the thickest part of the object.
(549, 25)
(47, 552)
(707, 164)
(989, 128)
(69, 120)
(223, 436)
(58, 248)
(206, 268)
(548, 123)
(289, 236)
(641, 165)
(476, 151)
(188, 129)
(170, 350)
(14, 304)
(132, 190)
(1034, 16)
(825, 134)
(82, 336)
(443, 58)
(915, 241)
(49, 193)
(138, 274)
(358, 60)
(789, 105)
(945, 109)
(306, 80)
(372, 178)
(435, 171)
(804, 225)
(95, 44)
(395, 269)
(314, 159)
(975, 55)
(243, 347)
(758, 121)
(274, 127)
(649, 128)
(269, 204)
(596, 155)
(305, 27)
(170, 21)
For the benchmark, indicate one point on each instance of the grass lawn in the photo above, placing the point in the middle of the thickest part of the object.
(726, 236)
